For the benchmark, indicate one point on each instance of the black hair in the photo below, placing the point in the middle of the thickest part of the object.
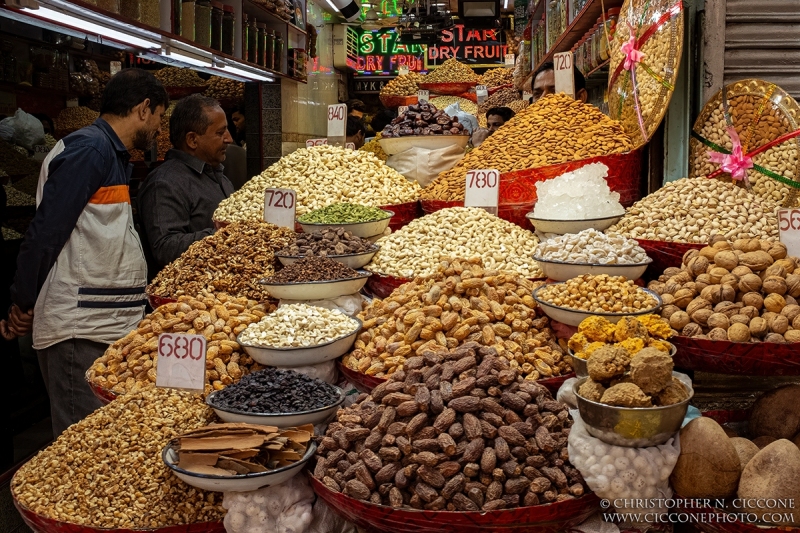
(129, 88)
(381, 119)
(358, 105)
(354, 125)
(190, 115)
(505, 113)
(238, 109)
(580, 81)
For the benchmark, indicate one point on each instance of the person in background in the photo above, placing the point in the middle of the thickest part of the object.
(178, 198)
(81, 275)
(495, 117)
(381, 119)
(356, 108)
(239, 125)
(356, 131)
(544, 82)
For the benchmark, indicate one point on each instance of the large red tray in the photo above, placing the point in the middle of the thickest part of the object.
(448, 89)
(738, 358)
(403, 214)
(362, 382)
(157, 301)
(382, 286)
(548, 518)
(554, 383)
(40, 524)
(665, 254)
(104, 395)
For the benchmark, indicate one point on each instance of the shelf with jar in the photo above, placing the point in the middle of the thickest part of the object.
(271, 40)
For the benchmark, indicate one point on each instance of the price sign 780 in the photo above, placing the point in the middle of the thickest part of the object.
(789, 230)
(483, 189)
(481, 179)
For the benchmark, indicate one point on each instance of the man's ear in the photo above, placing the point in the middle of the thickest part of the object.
(582, 95)
(191, 140)
(143, 108)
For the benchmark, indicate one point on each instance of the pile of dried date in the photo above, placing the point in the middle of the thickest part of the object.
(327, 243)
(456, 432)
(424, 119)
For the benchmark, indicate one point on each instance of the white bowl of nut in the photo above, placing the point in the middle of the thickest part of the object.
(354, 261)
(573, 316)
(282, 420)
(317, 290)
(359, 229)
(396, 145)
(562, 271)
(561, 227)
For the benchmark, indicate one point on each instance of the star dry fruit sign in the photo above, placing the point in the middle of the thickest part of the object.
(379, 52)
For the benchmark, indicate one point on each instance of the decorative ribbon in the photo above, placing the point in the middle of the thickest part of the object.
(632, 53)
(735, 163)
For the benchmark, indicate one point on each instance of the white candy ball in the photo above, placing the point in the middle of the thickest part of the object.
(621, 463)
(606, 460)
(631, 454)
(600, 450)
(601, 482)
(617, 486)
(596, 469)
(618, 451)
(628, 475)
(640, 463)
(590, 461)
(639, 483)
(609, 470)
(650, 492)
(665, 473)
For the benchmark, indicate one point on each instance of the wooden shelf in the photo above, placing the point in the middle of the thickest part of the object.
(583, 22)
(273, 17)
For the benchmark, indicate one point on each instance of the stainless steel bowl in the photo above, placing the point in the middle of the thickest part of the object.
(634, 427)
(580, 366)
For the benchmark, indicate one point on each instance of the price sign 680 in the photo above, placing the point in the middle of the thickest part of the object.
(181, 361)
(182, 346)
(789, 230)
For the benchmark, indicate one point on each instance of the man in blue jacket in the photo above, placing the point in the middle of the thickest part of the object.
(81, 273)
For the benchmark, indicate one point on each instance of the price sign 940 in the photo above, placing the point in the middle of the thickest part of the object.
(181, 361)
(279, 207)
(483, 189)
(789, 229)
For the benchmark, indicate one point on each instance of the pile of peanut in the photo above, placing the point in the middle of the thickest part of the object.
(555, 129)
(456, 430)
(233, 260)
(462, 302)
(72, 119)
(598, 294)
(741, 291)
(406, 85)
(129, 364)
(321, 176)
(695, 209)
(106, 470)
(451, 71)
(415, 249)
(494, 77)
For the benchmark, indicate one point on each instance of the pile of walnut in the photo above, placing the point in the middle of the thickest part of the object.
(455, 431)
(130, 363)
(462, 302)
(742, 292)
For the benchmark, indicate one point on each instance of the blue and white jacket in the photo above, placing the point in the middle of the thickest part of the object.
(81, 265)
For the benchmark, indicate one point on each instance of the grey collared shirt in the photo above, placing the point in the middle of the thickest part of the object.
(177, 202)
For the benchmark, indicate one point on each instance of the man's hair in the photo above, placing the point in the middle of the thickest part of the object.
(505, 113)
(358, 105)
(580, 81)
(354, 125)
(190, 115)
(381, 119)
(129, 88)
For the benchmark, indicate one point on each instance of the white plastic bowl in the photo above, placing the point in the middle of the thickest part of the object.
(561, 227)
(396, 145)
(354, 261)
(317, 290)
(359, 229)
(573, 317)
(302, 356)
(282, 420)
(562, 271)
(238, 483)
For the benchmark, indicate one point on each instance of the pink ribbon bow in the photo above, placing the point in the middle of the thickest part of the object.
(735, 163)
(632, 54)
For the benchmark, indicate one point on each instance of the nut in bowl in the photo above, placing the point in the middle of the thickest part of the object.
(301, 356)
(354, 261)
(281, 420)
(358, 220)
(563, 271)
(315, 278)
(579, 364)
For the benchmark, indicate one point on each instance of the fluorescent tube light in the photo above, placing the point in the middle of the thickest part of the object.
(249, 74)
(189, 60)
(335, 9)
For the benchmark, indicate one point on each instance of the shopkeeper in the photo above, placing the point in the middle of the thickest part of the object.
(544, 82)
(356, 131)
(80, 271)
(178, 199)
(495, 118)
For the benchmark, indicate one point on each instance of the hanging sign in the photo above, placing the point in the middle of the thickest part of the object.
(337, 120)
(789, 230)
(181, 361)
(510, 60)
(483, 189)
(565, 78)
(482, 93)
(422, 96)
(315, 142)
(279, 207)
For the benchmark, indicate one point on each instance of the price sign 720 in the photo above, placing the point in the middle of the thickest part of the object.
(789, 230)
(181, 361)
(279, 207)
(483, 189)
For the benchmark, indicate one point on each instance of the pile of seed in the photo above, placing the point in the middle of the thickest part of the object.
(330, 242)
(313, 269)
(179, 77)
(17, 198)
(273, 390)
(343, 213)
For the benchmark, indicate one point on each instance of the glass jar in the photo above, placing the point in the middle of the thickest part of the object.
(109, 5)
(228, 30)
(278, 52)
(611, 23)
(216, 25)
(262, 44)
(245, 37)
(187, 19)
(602, 49)
(252, 41)
(592, 53)
(269, 50)
(202, 22)
(151, 13)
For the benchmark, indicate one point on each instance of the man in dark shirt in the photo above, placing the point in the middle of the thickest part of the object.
(179, 198)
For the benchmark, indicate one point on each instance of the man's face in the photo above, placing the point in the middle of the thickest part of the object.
(210, 145)
(544, 84)
(238, 121)
(356, 113)
(146, 135)
(493, 122)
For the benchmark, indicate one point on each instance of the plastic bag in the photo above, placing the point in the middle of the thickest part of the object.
(28, 130)
(423, 165)
(324, 371)
(469, 121)
(350, 304)
(622, 475)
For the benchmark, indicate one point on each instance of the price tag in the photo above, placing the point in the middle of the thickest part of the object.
(115, 66)
(402, 109)
(403, 70)
(279, 207)
(72, 102)
(510, 60)
(350, 146)
(181, 361)
(315, 142)
(40, 151)
(565, 78)
(482, 93)
(337, 120)
(789, 230)
(483, 189)
(527, 96)
(422, 96)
